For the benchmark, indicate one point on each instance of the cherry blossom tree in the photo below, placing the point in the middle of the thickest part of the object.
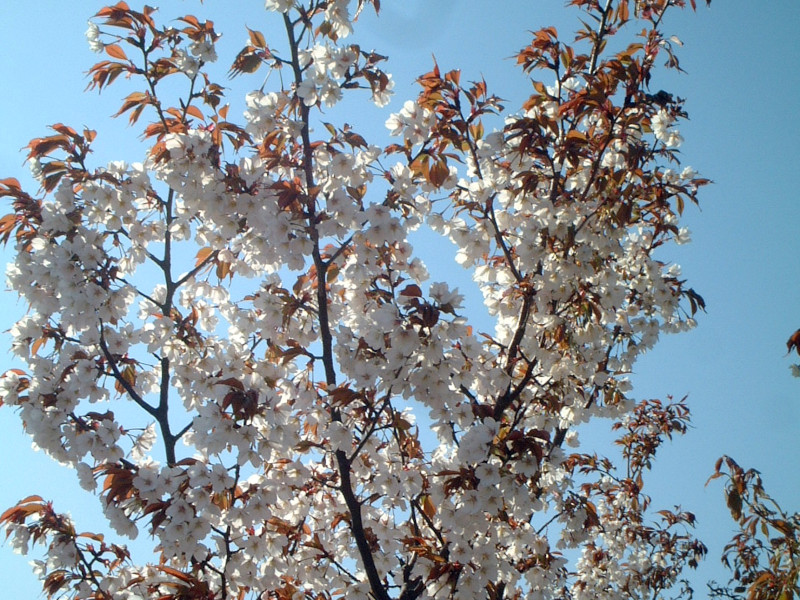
(236, 347)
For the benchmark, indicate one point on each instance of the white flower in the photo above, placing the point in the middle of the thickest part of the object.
(35, 165)
(330, 93)
(204, 50)
(572, 439)
(338, 15)
(442, 293)
(279, 5)
(144, 442)
(86, 477)
(340, 436)
(475, 442)
(659, 123)
(185, 63)
(341, 59)
(93, 37)
(307, 91)
(382, 95)
(20, 537)
(413, 122)
(683, 236)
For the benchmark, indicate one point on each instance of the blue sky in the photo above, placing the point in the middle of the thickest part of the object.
(742, 90)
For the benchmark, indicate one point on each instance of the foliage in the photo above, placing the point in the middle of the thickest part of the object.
(236, 340)
(764, 555)
(793, 343)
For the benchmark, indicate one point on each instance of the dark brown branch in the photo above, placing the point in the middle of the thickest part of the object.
(513, 348)
(601, 32)
(162, 415)
(343, 464)
(134, 395)
(512, 394)
(357, 527)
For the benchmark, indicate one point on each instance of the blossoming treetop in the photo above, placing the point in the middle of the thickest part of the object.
(235, 338)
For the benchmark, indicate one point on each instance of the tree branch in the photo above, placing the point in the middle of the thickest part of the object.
(345, 475)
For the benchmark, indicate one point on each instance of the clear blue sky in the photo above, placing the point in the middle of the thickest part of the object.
(742, 91)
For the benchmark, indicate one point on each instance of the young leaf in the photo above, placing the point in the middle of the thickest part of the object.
(114, 51)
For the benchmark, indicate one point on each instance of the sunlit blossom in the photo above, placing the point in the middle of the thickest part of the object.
(236, 345)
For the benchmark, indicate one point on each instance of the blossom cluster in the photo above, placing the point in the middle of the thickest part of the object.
(235, 345)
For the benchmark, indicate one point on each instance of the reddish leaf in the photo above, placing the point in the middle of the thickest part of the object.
(36, 345)
(438, 173)
(202, 256)
(33, 498)
(134, 100)
(257, 38)
(794, 342)
(22, 510)
(428, 507)
(412, 290)
(191, 20)
(223, 269)
(232, 382)
(622, 11)
(247, 61)
(175, 573)
(195, 112)
(734, 501)
(355, 140)
(114, 51)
